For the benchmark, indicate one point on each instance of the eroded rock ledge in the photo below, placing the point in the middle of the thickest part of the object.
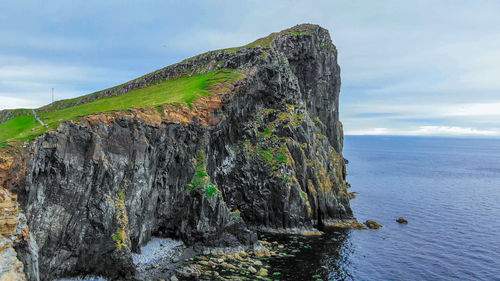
(264, 152)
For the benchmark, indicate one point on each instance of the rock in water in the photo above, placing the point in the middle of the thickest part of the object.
(372, 224)
(402, 220)
(262, 150)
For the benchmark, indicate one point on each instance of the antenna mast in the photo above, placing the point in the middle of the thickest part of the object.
(52, 95)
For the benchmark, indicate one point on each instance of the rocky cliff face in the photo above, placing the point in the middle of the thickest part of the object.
(264, 152)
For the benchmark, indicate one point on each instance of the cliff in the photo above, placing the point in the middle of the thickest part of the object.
(262, 148)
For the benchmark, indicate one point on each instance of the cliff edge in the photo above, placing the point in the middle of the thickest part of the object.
(258, 146)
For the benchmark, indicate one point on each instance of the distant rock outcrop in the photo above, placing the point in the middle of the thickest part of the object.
(402, 220)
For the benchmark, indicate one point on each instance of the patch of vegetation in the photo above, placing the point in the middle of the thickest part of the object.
(282, 158)
(210, 190)
(319, 135)
(179, 90)
(201, 180)
(266, 154)
(121, 235)
(22, 127)
(275, 155)
(296, 32)
(262, 42)
(13, 113)
(267, 132)
(303, 194)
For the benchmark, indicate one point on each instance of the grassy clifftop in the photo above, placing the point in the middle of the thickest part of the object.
(180, 90)
(21, 124)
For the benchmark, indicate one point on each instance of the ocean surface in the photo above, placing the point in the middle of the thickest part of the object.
(448, 190)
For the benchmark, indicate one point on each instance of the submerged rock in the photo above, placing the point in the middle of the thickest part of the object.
(372, 224)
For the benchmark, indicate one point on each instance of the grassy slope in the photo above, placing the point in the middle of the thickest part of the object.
(180, 90)
(184, 89)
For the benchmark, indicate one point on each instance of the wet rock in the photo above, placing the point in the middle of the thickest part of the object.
(350, 224)
(228, 265)
(204, 263)
(402, 220)
(262, 253)
(262, 272)
(191, 271)
(252, 269)
(372, 224)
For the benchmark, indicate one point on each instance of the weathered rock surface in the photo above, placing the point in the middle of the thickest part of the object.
(268, 155)
(13, 231)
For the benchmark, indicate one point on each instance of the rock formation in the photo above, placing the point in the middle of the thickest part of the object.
(262, 152)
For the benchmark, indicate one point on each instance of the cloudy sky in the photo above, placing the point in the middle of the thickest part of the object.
(408, 67)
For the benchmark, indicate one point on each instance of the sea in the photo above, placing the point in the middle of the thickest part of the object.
(447, 188)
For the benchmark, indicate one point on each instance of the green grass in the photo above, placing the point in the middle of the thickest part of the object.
(296, 32)
(210, 190)
(180, 90)
(20, 127)
(201, 179)
(13, 113)
(266, 154)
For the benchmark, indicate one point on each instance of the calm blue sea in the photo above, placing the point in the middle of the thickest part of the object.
(448, 189)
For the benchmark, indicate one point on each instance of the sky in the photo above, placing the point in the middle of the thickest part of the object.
(427, 68)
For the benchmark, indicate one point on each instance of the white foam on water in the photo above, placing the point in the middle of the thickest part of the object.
(84, 279)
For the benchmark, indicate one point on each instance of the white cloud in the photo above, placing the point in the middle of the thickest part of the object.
(10, 102)
(475, 109)
(429, 131)
(422, 109)
(28, 83)
(14, 69)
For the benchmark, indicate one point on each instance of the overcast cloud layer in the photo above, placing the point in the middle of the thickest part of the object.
(408, 67)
